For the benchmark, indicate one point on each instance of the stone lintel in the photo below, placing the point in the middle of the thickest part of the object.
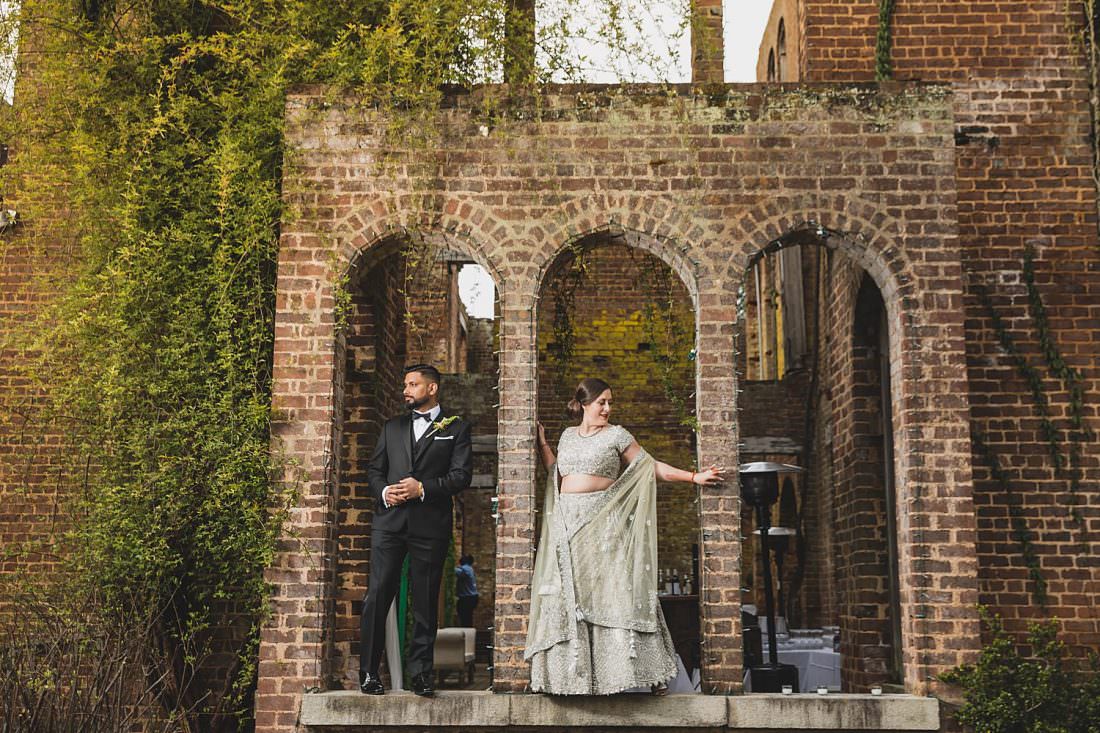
(469, 709)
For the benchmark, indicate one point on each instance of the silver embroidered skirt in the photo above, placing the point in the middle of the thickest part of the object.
(603, 660)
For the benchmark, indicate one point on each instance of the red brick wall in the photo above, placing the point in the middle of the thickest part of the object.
(481, 347)
(34, 256)
(857, 483)
(31, 464)
(701, 182)
(1024, 179)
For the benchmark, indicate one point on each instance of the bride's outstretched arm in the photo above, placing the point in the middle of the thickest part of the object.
(706, 477)
(546, 453)
(665, 472)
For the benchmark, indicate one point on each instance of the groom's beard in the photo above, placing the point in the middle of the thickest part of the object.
(413, 404)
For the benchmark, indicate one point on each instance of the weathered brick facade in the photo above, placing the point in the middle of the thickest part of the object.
(1024, 178)
(926, 193)
(701, 182)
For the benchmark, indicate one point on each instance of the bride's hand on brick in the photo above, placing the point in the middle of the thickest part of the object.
(710, 475)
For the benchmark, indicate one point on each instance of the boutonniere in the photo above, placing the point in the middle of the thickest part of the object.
(442, 424)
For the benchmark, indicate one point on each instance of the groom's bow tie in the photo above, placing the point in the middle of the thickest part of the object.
(425, 415)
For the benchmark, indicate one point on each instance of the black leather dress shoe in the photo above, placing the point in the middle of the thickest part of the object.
(369, 684)
(422, 684)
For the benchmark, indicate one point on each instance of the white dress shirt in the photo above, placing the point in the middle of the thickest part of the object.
(419, 426)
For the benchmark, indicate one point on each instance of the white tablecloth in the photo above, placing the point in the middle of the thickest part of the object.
(815, 667)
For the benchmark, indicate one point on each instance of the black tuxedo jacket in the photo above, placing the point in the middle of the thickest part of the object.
(442, 460)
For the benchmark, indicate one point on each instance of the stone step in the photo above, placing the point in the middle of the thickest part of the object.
(476, 709)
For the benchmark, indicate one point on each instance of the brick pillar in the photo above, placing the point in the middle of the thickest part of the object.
(294, 644)
(720, 507)
(706, 41)
(516, 481)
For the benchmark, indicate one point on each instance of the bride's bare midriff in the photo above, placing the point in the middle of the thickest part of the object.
(584, 483)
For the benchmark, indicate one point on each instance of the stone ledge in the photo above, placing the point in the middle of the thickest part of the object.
(834, 712)
(458, 708)
(630, 711)
(468, 709)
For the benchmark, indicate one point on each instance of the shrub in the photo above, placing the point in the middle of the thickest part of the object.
(1032, 690)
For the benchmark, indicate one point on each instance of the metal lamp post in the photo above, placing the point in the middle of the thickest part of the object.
(760, 489)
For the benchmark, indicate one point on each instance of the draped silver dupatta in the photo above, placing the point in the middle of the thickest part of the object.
(602, 570)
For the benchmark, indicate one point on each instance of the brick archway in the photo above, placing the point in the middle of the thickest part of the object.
(297, 642)
(659, 227)
(465, 226)
(935, 517)
(659, 231)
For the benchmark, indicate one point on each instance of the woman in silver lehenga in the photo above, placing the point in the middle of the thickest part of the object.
(596, 626)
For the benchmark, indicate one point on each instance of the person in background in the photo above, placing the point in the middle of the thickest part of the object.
(465, 591)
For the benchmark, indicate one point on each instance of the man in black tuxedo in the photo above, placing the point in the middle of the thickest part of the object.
(422, 459)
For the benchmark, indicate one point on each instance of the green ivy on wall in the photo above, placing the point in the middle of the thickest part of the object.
(1064, 460)
(149, 137)
(884, 67)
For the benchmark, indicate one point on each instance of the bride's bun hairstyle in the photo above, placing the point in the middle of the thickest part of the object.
(588, 390)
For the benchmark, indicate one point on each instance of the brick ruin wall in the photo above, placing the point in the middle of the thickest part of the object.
(701, 182)
(1023, 175)
(32, 467)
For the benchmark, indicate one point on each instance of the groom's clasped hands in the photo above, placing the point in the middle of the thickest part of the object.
(404, 490)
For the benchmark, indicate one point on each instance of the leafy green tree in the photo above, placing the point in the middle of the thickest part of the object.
(149, 137)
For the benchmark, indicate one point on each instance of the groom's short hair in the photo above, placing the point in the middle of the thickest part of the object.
(427, 371)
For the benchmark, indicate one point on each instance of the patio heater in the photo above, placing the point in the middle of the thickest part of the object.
(760, 489)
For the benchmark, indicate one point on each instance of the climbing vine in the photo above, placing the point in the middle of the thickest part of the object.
(1030, 375)
(667, 328)
(1079, 431)
(574, 270)
(1062, 459)
(149, 136)
(884, 67)
(1020, 530)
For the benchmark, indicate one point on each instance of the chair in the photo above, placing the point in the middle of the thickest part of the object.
(454, 652)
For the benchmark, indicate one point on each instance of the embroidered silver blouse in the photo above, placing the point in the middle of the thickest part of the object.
(596, 454)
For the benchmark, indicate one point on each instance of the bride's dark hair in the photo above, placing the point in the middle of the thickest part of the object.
(589, 389)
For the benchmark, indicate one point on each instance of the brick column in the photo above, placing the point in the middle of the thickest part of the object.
(720, 507)
(305, 397)
(516, 483)
(706, 42)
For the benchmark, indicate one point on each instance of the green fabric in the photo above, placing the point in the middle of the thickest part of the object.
(404, 620)
(603, 570)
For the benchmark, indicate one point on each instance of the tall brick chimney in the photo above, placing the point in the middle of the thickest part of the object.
(706, 41)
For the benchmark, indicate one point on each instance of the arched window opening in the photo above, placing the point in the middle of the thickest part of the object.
(814, 375)
(610, 310)
(781, 51)
(771, 65)
(416, 301)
